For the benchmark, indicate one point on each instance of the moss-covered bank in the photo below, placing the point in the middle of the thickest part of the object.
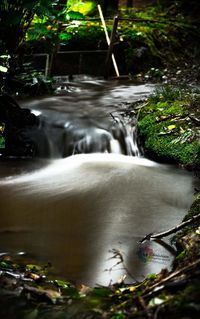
(169, 126)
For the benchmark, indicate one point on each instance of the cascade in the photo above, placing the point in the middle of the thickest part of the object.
(86, 118)
(83, 135)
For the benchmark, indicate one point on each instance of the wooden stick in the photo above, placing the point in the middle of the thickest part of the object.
(111, 46)
(108, 39)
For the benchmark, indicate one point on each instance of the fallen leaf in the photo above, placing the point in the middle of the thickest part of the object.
(171, 127)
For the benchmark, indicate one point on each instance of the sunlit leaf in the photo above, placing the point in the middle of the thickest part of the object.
(3, 69)
(65, 36)
(156, 301)
(74, 15)
(80, 6)
(33, 268)
(151, 276)
(62, 283)
(5, 56)
(171, 127)
(198, 231)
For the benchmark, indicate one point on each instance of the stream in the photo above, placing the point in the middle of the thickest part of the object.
(90, 196)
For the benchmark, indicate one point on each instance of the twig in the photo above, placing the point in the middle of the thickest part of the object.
(171, 276)
(194, 119)
(113, 117)
(118, 254)
(170, 231)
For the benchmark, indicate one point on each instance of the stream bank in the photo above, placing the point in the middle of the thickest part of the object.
(169, 126)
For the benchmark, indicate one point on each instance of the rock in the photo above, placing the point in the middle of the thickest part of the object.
(16, 122)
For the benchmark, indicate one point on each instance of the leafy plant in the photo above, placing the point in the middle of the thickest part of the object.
(16, 16)
(84, 7)
(2, 138)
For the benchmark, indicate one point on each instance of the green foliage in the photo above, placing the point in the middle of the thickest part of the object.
(8, 265)
(74, 15)
(34, 268)
(181, 255)
(81, 6)
(77, 34)
(2, 142)
(194, 209)
(61, 283)
(2, 137)
(16, 18)
(32, 295)
(190, 9)
(151, 276)
(140, 45)
(158, 40)
(84, 36)
(167, 93)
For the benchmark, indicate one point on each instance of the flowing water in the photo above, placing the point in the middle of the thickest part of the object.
(83, 212)
(84, 117)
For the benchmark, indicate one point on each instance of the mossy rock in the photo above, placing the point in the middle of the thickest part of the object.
(169, 130)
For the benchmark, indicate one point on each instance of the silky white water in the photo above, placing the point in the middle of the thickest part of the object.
(86, 117)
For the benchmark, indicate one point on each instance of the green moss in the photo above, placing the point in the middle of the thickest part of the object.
(181, 255)
(168, 131)
(194, 209)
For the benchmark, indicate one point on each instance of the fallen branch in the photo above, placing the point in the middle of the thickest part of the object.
(173, 230)
(161, 284)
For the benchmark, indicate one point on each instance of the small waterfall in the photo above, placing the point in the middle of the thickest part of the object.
(82, 135)
(85, 115)
(128, 132)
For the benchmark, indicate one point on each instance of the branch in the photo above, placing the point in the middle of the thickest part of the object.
(161, 284)
(170, 231)
(118, 254)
